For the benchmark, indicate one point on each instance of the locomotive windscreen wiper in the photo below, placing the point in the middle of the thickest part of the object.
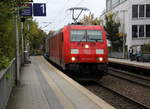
(96, 39)
(84, 37)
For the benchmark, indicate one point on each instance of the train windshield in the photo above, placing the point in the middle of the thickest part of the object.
(86, 35)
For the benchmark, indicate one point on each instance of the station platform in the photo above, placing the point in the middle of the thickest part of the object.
(42, 86)
(143, 65)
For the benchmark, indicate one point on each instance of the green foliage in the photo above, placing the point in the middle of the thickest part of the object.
(36, 38)
(8, 76)
(112, 28)
(7, 32)
(90, 19)
(146, 48)
(4, 62)
(7, 38)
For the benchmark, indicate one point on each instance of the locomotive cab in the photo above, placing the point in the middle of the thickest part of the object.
(87, 50)
(80, 50)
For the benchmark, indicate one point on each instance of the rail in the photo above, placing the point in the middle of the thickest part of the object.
(7, 81)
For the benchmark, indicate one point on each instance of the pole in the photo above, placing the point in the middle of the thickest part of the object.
(22, 41)
(123, 31)
(17, 48)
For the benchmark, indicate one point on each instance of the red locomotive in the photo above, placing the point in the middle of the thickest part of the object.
(80, 49)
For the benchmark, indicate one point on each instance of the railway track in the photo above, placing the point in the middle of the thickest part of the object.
(126, 97)
(134, 78)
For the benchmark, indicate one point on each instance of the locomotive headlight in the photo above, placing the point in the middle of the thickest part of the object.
(99, 51)
(100, 59)
(74, 51)
(86, 46)
(73, 58)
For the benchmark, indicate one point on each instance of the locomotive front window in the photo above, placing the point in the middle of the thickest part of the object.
(78, 35)
(94, 35)
(86, 35)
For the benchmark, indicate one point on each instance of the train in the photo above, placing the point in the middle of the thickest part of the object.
(79, 50)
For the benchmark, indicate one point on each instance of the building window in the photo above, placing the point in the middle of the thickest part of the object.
(115, 2)
(141, 30)
(122, 1)
(134, 31)
(147, 30)
(148, 10)
(141, 10)
(134, 11)
(108, 5)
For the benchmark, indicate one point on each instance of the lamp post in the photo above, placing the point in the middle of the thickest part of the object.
(123, 31)
(22, 39)
(17, 46)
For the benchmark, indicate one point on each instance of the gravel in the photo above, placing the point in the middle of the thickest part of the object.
(113, 99)
(126, 88)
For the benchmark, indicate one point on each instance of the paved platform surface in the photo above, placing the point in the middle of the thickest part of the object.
(132, 63)
(44, 87)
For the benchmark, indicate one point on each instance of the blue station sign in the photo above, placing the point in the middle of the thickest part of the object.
(39, 9)
(26, 10)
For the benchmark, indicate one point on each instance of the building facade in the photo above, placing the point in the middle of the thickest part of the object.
(134, 17)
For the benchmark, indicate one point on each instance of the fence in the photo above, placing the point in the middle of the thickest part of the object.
(7, 81)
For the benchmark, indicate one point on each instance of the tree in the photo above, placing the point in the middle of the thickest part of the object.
(90, 20)
(7, 31)
(112, 29)
(7, 37)
(51, 32)
(36, 38)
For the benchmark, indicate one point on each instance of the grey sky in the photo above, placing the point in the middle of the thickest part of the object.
(58, 16)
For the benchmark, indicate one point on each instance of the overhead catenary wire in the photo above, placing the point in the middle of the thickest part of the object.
(75, 6)
(60, 12)
(62, 9)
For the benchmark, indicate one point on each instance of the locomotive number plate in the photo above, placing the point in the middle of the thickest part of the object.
(87, 51)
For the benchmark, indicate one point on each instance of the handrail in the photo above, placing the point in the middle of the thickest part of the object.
(7, 78)
(3, 71)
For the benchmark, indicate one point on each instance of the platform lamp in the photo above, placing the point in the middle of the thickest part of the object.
(123, 31)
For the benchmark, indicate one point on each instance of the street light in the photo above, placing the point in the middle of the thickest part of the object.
(123, 31)
(17, 46)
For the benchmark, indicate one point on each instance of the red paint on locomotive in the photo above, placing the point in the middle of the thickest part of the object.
(77, 47)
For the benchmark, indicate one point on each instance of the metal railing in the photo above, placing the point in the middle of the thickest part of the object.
(7, 81)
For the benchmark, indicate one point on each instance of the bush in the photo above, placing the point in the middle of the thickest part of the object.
(4, 62)
(7, 37)
(146, 48)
